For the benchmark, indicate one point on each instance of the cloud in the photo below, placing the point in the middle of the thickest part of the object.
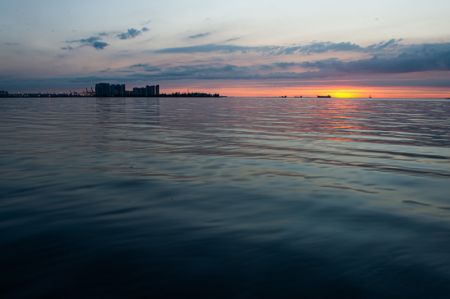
(233, 39)
(400, 69)
(216, 72)
(98, 41)
(95, 42)
(388, 57)
(307, 49)
(405, 59)
(384, 45)
(320, 47)
(413, 58)
(405, 64)
(131, 33)
(207, 48)
(200, 35)
(198, 71)
(145, 67)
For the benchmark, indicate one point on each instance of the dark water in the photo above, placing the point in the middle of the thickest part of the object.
(224, 198)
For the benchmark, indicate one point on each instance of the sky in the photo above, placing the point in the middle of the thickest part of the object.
(347, 48)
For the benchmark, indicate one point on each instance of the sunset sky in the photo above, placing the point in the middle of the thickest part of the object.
(348, 48)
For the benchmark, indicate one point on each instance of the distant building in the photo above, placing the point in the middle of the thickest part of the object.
(103, 90)
(139, 92)
(152, 91)
(119, 90)
(110, 90)
(3, 94)
(148, 91)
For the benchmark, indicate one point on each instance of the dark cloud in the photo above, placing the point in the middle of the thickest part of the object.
(131, 33)
(145, 67)
(321, 47)
(218, 72)
(95, 42)
(233, 39)
(308, 49)
(200, 35)
(388, 63)
(384, 45)
(275, 74)
(408, 59)
(208, 48)
(200, 71)
(415, 58)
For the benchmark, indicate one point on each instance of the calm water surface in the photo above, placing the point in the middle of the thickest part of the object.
(224, 198)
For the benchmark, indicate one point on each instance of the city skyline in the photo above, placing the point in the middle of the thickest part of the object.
(257, 48)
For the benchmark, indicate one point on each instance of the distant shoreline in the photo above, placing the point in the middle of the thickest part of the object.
(44, 96)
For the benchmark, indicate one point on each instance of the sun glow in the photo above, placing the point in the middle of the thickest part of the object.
(346, 94)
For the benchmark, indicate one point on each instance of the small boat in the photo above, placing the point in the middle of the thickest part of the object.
(324, 97)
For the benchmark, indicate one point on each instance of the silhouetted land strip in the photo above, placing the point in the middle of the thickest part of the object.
(108, 90)
(191, 95)
(78, 95)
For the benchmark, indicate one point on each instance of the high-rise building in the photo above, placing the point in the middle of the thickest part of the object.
(139, 92)
(118, 90)
(103, 90)
(110, 90)
(150, 90)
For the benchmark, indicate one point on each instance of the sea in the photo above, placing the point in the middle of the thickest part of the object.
(224, 198)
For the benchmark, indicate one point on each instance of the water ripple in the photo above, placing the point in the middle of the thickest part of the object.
(224, 198)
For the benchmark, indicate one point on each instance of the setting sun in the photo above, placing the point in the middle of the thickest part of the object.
(346, 93)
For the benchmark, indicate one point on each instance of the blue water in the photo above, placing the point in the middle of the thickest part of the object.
(224, 198)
